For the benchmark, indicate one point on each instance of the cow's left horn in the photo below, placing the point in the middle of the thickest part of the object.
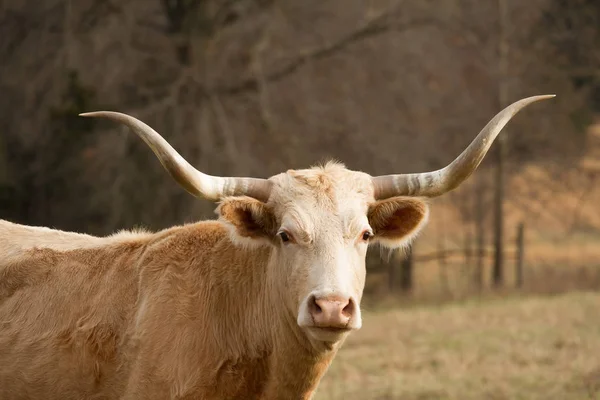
(431, 184)
(194, 181)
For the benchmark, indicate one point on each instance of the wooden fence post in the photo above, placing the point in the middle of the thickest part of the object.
(468, 250)
(443, 268)
(468, 253)
(519, 256)
(479, 233)
(391, 273)
(407, 268)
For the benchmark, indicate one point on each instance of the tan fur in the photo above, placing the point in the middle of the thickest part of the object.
(191, 312)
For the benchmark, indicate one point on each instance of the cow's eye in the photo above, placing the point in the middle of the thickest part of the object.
(366, 235)
(285, 237)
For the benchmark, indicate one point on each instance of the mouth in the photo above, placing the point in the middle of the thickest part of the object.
(331, 329)
(327, 334)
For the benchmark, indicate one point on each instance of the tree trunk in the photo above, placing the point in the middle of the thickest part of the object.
(479, 232)
(498, 269)
(520, 252)
(441, 247)
(468, 254)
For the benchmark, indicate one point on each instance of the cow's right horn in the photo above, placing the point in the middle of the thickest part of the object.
(436, 183)
(197, 183)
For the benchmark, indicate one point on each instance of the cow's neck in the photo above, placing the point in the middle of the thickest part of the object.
(293, 365)
(296, 365)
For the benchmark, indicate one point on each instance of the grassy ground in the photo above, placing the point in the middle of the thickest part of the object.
(513, 348)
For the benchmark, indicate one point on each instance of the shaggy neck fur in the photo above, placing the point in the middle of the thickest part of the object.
(252, 328)
(230, 334)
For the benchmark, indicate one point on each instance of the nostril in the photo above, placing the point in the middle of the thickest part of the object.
(314, 305)
(348, 310)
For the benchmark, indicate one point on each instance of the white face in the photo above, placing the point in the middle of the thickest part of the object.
(320, 223)
(321, 254)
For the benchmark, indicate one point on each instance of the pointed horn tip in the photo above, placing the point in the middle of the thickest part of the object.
(518, 105)
(544, 96)
(92, 114)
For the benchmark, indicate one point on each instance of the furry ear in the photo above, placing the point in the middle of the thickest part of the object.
(250, 220)
(397, 221)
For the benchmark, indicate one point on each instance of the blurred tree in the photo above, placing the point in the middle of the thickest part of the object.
(407, 271)
(6, 188)
(54, 173)
(572, 29)
(183, 17)
(501, 147)
(190, 20)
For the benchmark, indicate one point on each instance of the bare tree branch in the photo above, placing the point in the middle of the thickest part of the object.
(226, 131)
(259, 74)
(373, 27)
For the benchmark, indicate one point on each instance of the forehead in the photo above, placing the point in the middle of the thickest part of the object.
(330, 188)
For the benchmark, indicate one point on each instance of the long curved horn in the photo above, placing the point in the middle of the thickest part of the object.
(194, 181)
(435, 183)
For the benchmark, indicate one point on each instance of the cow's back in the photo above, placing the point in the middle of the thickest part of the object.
(64, 318)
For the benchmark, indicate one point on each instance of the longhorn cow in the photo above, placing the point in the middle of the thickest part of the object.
(253, 305)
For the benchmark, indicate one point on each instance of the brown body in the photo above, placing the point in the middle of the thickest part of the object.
(145, 316)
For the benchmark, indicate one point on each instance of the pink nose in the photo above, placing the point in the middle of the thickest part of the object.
(331, 312)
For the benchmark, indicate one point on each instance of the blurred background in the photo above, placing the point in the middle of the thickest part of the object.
(496, 299)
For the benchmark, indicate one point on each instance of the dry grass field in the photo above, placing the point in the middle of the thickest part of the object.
(504, 348)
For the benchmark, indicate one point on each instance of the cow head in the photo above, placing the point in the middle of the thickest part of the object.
(320, 221)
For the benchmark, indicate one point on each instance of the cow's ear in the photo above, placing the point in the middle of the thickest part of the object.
(397, 221)
(251, 221)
